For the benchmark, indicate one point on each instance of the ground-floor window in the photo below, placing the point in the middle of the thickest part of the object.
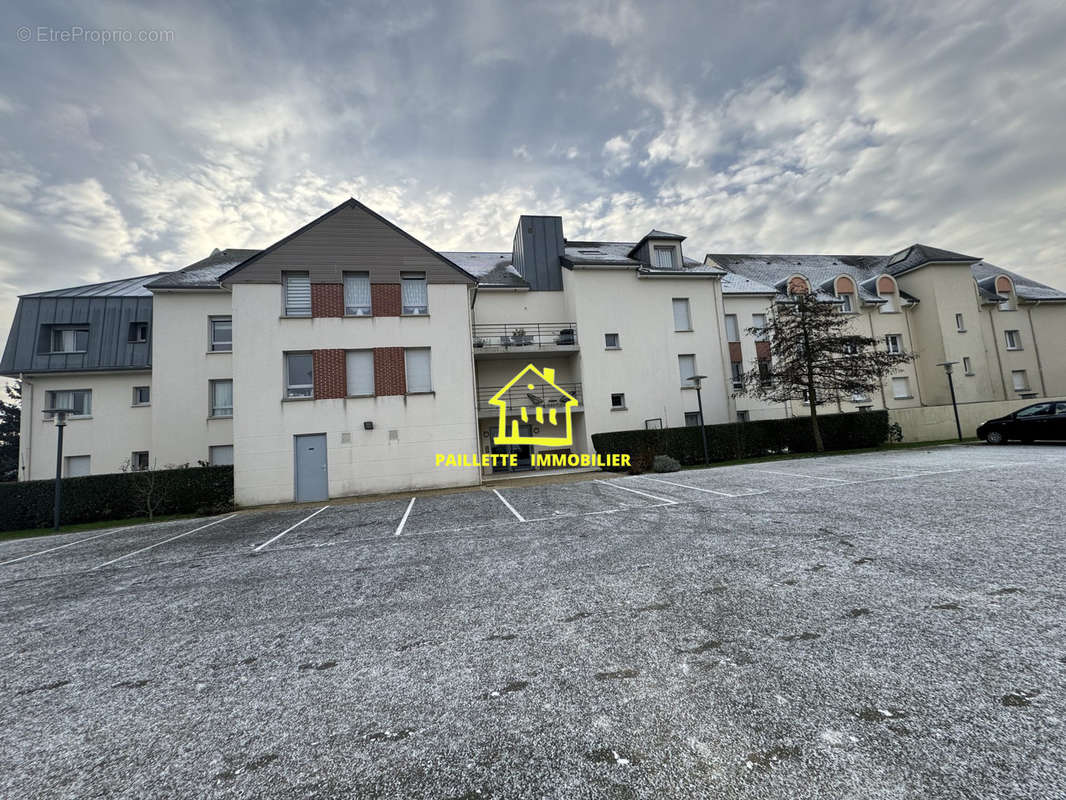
(220, 454)
(1020, 379)
(76, 466)
(139, 460)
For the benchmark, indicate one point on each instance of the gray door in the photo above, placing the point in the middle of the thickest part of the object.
(311, 483)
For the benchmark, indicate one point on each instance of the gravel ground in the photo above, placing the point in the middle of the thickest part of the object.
(868, 626)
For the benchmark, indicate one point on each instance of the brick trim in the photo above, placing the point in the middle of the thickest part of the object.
(390, 371)
(331, 376)
(327, 300)
(385, 299)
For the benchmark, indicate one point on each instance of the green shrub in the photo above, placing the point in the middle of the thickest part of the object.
(665, 464)
(737, 440)
(92, 498)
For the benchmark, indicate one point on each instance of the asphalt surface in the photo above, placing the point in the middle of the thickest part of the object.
(868, 626)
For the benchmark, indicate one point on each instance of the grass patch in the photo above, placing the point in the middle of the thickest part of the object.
(90, 526)
(793, 456)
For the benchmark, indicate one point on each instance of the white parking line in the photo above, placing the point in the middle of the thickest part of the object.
(171, 539)
(60, 547)
(403, 520)
(697, 488)
(797, 475)
(292, 528)
(510, 507)
(665, 500)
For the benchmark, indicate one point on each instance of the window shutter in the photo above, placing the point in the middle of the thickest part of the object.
(360, 369)
(297, 294)
(419, 378)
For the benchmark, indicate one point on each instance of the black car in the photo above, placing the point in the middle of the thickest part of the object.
(1038, 421)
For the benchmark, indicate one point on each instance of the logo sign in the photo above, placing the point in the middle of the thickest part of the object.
(549, 408)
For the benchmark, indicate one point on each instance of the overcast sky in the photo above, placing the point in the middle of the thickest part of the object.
(754, 126)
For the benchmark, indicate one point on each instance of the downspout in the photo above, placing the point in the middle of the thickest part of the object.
(719, 313)
(1036, 349)
(29, 425)
(999, 358)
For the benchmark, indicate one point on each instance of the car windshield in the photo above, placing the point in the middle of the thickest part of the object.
(1040, 408)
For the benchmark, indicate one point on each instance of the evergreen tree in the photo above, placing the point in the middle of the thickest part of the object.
(817, 357)
(10, 415)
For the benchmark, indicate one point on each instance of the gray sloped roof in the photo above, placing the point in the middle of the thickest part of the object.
(733, 283)
(491, 269)
(203, 274)
(918, 254)
(123, 287)
(1025, 288)
(617, 254)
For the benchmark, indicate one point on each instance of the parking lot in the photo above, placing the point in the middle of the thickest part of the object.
(873, 625)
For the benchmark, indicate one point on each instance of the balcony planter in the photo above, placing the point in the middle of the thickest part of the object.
(566, 337)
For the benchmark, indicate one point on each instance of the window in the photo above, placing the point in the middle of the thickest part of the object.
(765, 378)
(221, 393)
(860, 397)
(743, 416)
(1060, 408)
(221, 330)
(737, 371)
(611, 341)
(360, 368)
(415, 293)
(69, 340)
(890, 306)
(967, 365)
(682, 318)
(846, 303)
(220, 454)
(1014, 340)
(1020, 379)
(76, 466)
(849, 347)
(419, 377)
(687, 366)
(142, 395)
(297, 294)
(901, 388)
(732, 330)
(960, 323)
(665, 257)
(894, 343)
(618, 401)
(81, 400)
(758, 321)
(139, 461)
(357, 294)
(692, 419)
(1008, 303)
(299, 375)
(1039, 410)
(138, 332)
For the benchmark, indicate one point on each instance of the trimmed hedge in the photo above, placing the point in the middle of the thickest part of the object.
(746, 439)
(187, 490)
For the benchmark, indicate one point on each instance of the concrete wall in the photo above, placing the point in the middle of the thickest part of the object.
(183, 366)
(1048, 323)
(359, 461)
(115, 429)
(935, 423)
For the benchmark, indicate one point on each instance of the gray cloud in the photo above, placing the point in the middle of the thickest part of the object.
(760, 126)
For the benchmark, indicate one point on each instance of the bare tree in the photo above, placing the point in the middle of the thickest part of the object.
(149, 489)
(817, 357)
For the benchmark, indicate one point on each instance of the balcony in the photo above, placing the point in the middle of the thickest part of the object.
(520, 339)
(518, 396)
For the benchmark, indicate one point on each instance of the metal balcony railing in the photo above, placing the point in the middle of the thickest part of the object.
(520, 336)
(519, 395)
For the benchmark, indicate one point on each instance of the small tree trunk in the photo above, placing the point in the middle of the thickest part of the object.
(818, 445)
(812, 395)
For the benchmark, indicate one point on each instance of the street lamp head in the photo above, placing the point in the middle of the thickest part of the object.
(696, 379)
(59, 415)
(947, 365)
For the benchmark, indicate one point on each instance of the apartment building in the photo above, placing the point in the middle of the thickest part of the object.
(1003, 330)
(347, 357)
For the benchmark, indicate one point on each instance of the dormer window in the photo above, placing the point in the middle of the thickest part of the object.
(887, 291)
(665, 256)
(1005, 288)
(845, 292)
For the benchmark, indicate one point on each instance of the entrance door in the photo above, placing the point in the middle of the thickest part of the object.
(311, 477)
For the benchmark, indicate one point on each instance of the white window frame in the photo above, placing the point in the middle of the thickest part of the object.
(411, 279)
(847, 304)
(407, 369)
(87, 402)
(891, 304)
(736, 373)
(136, 325)
(685, 382)
(348, 359)
(67, 461)
(212, 409)
(74, 330)
(607, 342)
(967, 365)
(730, 334)
(1014, 373)
(136, 402)
(905, 382)
(768, 378)
(351, 307)
(294, 309)
(682, 303)
(664, 249)
(894, 343)
(960, 323)
(694, 416)
(759, 321)
(298, 391)
(214, 346)
(137, 467)
(211, 454)
(1013, 339)
(618, 406)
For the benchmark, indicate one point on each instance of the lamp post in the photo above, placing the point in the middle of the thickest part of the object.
(947, 365)
(696, 380)
(60, 416)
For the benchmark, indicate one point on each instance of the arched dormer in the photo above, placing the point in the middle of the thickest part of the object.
(844, 288)
(797, 284)
(1005, 288)
(888, 291)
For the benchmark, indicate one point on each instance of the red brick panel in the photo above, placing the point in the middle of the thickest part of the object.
(385, 300)
(734, 352)
(390, 373)
(762, 350)
(885, 285)
(331, 379)
(327, 300)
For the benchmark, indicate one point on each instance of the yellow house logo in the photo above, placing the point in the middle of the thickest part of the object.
(550, 418)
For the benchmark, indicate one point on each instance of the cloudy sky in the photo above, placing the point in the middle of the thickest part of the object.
(753, 126)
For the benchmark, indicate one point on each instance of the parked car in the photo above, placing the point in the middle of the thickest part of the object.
(1038, 421)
